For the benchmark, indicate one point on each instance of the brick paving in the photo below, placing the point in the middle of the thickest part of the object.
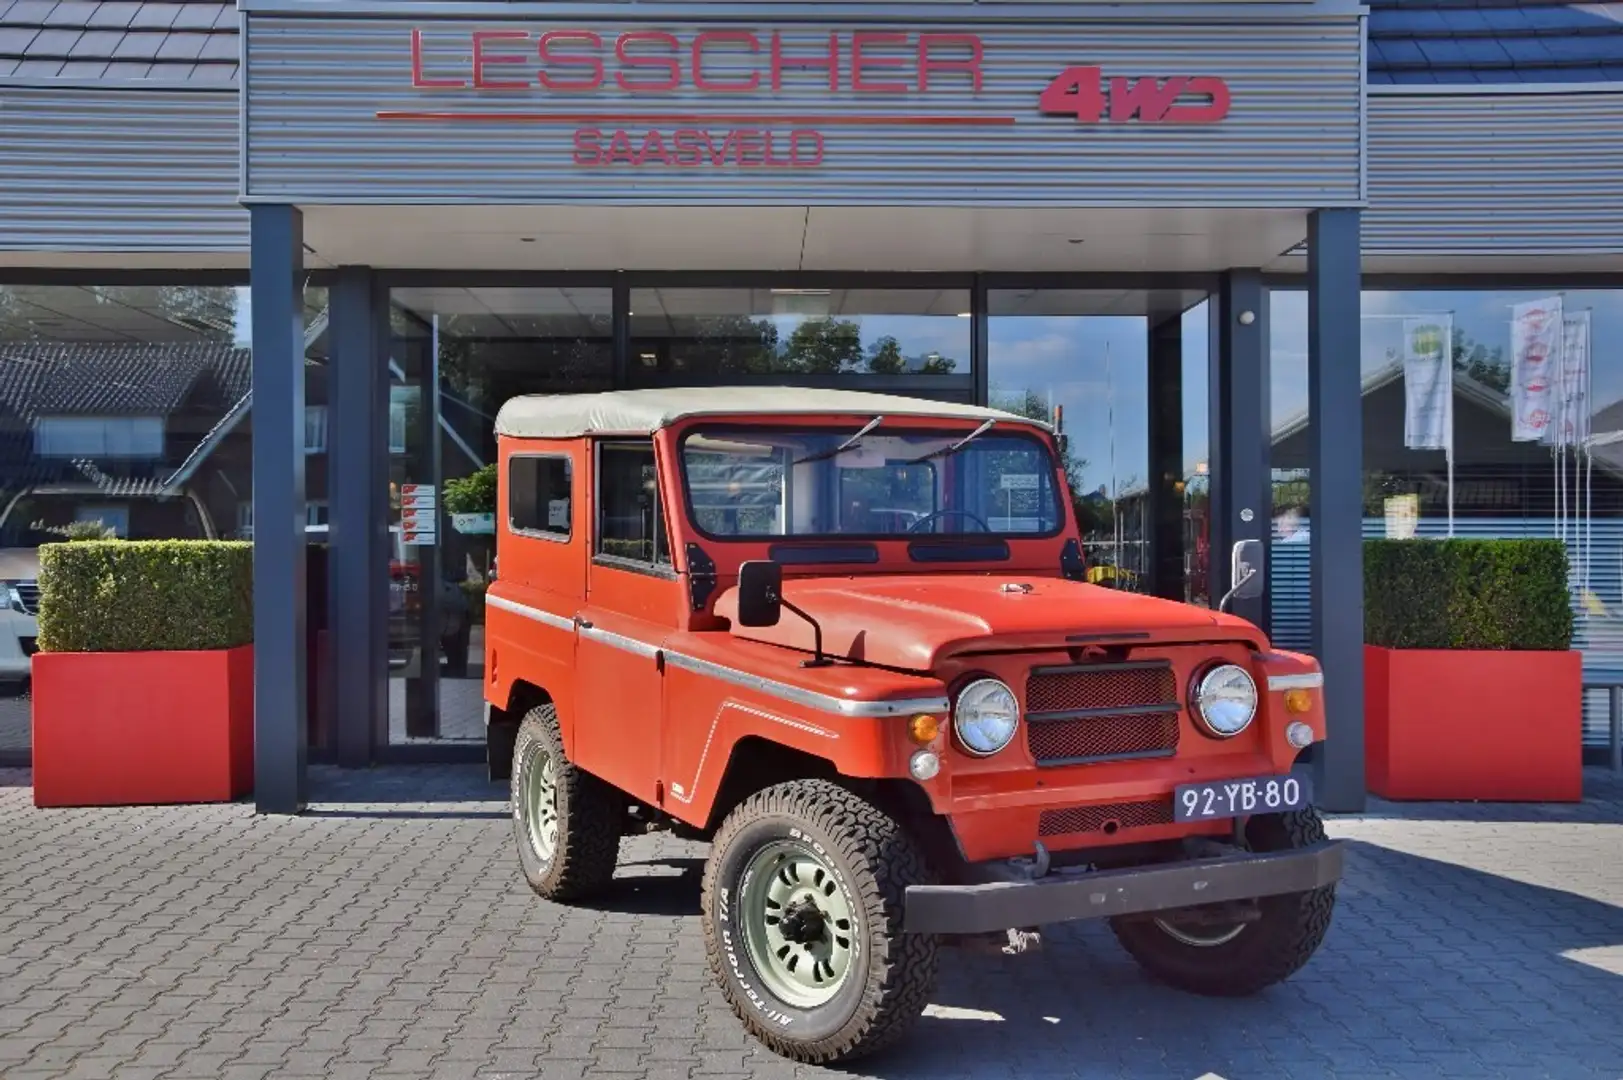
(387, 935)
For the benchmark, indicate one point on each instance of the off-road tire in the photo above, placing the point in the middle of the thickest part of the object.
(591, 816)
(1267, 951)
(892, 974)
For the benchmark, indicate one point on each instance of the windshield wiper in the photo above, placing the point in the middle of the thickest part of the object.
(948, 451)
(823, 455)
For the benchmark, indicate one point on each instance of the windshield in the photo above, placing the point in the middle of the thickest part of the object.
(37, 519)
(775, 482)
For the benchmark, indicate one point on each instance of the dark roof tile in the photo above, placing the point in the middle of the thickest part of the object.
(115, 15)
(82, 69)
(14, 39)
(74, 13)
(38, 69)
(197, 16)
(29, 12)
(5, 6)
(216, 74)
(126, 69)
(221, 47)
(7, 67)
(48, 43)
(155, 17)
(139, 46)
(182, 46)
(227, 19)
(96, 43)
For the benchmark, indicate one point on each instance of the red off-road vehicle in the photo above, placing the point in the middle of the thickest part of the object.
(846, 637)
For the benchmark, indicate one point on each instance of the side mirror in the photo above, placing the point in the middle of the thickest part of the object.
(760, 593)
(1246, 579)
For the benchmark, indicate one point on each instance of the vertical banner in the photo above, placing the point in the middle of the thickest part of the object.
(1569, 401)
(1536, 334)
(1428, 384)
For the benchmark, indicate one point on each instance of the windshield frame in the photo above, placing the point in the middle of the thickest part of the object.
(720, 426)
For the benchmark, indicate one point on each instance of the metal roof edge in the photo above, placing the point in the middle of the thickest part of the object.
(120, 86)
(1507, 89)
(961, 11)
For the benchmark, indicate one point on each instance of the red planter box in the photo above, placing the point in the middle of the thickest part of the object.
(119, 729)
(1467, 725)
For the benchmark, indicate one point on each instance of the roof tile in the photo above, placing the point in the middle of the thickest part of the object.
(72, 13)
(139, 46)
(221, 47)
(126, 69)
(182, 46)
(29, 12)
(7, 67)
(14, 39)
(5, 6)
(214, 73)
(114, 15)
(155, 17)
(197, 16)
(96, 43)
(52, 43)
(38, 69)
(82, 69)
(228, 19)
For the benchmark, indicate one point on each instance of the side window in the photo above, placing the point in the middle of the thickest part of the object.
(629, 522)
(538, 495)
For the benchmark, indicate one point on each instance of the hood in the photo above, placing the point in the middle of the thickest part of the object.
(19, 564)
(913, 622)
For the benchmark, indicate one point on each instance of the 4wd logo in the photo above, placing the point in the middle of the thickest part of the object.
(1092, 98)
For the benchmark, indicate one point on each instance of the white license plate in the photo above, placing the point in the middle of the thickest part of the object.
(1238, 798)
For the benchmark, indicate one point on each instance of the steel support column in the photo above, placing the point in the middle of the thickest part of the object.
(1336, 508)
(280, 676)
(1239, 470)
(358, 470)
(1164, 529)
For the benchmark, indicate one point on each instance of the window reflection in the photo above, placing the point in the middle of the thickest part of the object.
(1444, 381)
(743, 332)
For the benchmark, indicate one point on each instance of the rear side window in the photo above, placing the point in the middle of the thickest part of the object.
(539, 491)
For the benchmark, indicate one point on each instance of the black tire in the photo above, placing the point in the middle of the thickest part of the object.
(590, 816)
(874, 861)
(1263, 953)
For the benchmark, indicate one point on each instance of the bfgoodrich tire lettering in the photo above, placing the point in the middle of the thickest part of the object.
(588, 815)
(871, 861)
(1260, 954)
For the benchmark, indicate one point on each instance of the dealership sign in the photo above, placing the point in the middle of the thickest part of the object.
(736, 77)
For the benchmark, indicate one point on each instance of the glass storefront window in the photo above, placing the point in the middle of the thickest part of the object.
(745, 332)
(124, 406)
(1476, 425)
(1069, 356)
(455, 355)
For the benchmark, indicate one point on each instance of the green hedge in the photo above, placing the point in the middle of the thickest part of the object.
(472, 494)
(1467, 594)
(132, 596)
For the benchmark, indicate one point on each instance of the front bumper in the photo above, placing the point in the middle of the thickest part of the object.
(985, 908)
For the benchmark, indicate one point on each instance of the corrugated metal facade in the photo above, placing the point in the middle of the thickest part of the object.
(316, 88)
(1518, 173)
(1599, 637)
(119, 170)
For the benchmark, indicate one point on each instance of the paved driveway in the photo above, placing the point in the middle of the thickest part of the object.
(386, 934)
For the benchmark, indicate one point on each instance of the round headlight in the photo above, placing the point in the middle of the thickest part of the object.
(985, 717)
(1225, 700)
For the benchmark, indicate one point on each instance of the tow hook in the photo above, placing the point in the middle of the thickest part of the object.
(1036, 866)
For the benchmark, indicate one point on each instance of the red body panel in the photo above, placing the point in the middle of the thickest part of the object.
(658, 692)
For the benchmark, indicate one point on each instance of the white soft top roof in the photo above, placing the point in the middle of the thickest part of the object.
(642, 412)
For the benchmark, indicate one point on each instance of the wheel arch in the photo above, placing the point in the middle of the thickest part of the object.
(501, 727)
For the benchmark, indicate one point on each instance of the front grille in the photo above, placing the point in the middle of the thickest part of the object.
(1105, 818)
(28, 593)
(1101, 712)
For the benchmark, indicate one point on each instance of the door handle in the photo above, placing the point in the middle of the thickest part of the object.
(583, 624)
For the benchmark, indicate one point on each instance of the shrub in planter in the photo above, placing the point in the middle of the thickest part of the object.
(1472, 690)
(471, 501)
(143, 685)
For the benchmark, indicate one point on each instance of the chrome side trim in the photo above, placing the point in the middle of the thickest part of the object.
(557, 622)
(809, 698)
(619, 641)
(1311, 680)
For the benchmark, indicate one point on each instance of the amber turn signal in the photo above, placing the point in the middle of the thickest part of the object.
(1298, 701)
(923, 728)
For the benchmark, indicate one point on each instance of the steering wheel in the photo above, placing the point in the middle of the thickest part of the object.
(918, 526)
